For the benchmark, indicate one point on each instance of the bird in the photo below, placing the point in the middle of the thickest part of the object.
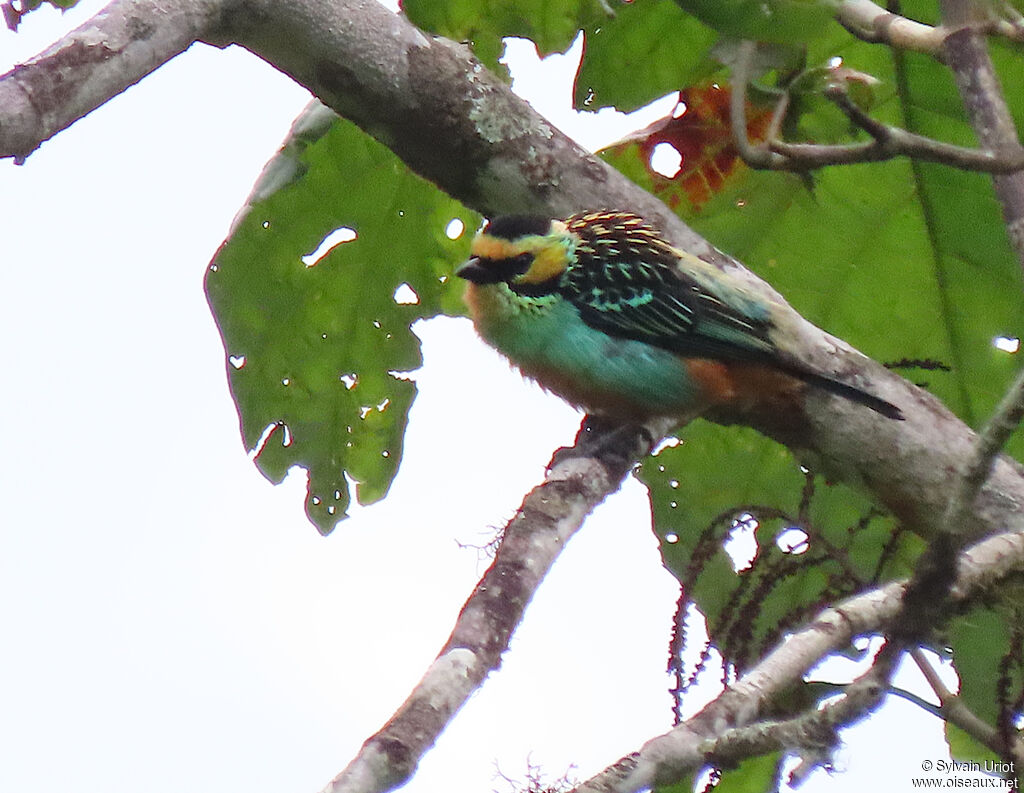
(601, 310)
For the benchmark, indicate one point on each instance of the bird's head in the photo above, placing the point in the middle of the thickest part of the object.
(527, 252)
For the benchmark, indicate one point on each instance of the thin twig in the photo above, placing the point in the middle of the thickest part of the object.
(988, 444)
(914, 699)
(882, 133)
(872, 23)
(887, 142)
(955, 711)
(755, 156)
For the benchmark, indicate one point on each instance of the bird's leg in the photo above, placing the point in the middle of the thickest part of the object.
(614, 442)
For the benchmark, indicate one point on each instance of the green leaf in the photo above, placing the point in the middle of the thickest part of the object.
(754, 775)
(964, 748)
(551, 26)
(764, 20)
(978, 278)
(317, 349)
(988, 653)
(14, 15)
(684, 785)
(720, 480)
(645, 51)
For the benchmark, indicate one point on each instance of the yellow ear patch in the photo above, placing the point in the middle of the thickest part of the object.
(549, 262)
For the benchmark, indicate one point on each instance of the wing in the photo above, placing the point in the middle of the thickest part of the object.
(650, 299)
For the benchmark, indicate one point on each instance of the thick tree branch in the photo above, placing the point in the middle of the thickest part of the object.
(578, 480)
(115, 49)
(430, 101)
(670, 756)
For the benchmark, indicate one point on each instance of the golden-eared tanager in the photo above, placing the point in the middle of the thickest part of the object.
(602, 311)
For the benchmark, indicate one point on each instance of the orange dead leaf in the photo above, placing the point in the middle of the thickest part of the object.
(703, 138)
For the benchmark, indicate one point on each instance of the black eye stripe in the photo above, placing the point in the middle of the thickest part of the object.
(509, 268)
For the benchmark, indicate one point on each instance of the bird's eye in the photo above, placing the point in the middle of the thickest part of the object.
(521, 263)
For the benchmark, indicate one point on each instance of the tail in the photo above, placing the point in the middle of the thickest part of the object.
(854, 394)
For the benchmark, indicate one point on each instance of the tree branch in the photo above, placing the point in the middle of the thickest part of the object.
(812, 735)
(115, 49)
(887, 142)
(578, 480)
(955, 711)
(872, 23)
(683, 749)
(967, 55)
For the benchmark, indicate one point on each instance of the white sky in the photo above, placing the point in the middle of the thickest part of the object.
(170, 620)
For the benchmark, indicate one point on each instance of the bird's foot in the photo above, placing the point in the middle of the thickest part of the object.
(615, 443)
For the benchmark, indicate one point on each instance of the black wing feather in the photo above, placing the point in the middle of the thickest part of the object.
(641, 295)
(626, 282)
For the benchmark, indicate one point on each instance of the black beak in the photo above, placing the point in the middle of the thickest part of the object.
(473, 270)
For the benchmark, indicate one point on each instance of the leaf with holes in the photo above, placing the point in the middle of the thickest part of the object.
(699, 133)
(339, 250)
(762, 548)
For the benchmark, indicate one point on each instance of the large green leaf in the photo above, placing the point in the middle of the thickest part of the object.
(719, 481)
(645, 51)
(317, 349)
(765, 20)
